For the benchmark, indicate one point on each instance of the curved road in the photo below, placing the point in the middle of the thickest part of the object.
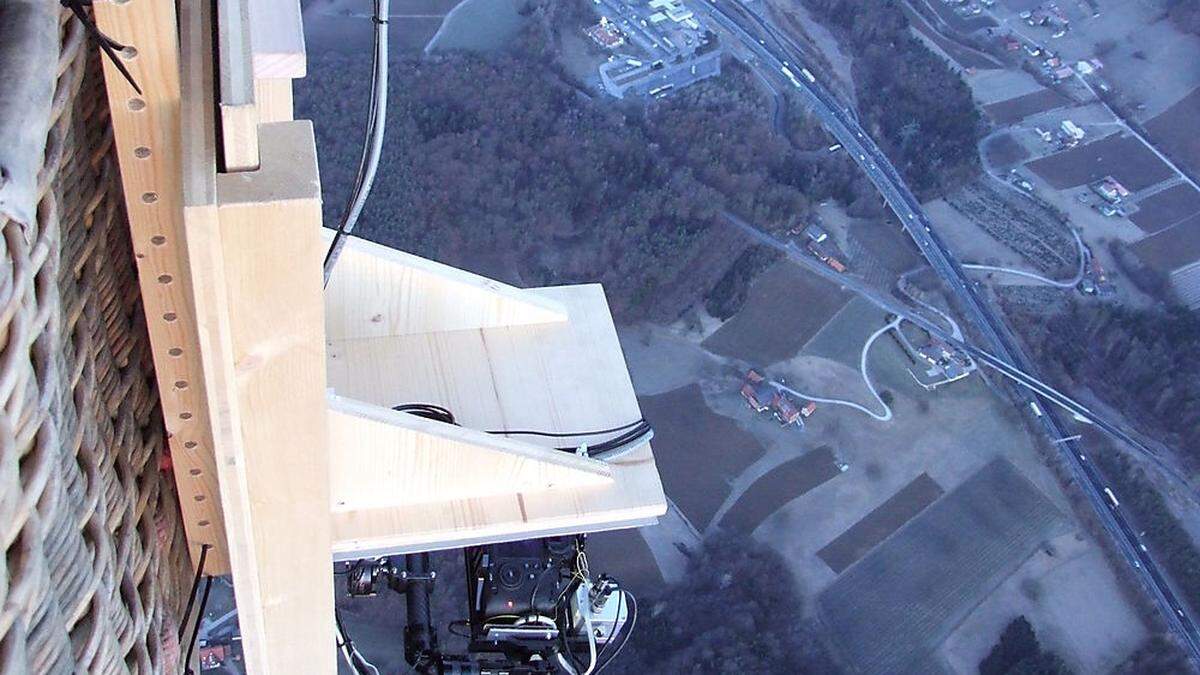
(862, 366)
(1083, 258)
(1002, 349)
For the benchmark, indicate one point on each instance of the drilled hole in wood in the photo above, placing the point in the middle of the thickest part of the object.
(170, 316)
(149, 197)
(185, 415)
(141, 152)
(164, 278)
(190, 444)
(129, 53)
(199, 498)
(175, 351)
(202, 523)
(181, 384)
(195, 472)
(136, 104)
(158, 240)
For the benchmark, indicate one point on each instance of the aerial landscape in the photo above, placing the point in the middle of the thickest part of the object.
(907, 290)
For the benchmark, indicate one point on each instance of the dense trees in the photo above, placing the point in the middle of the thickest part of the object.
(918, 108)
(1141, 361)
(736, 611)
(1159, 656)
(494, 163)
(1185, 14)
(1019, 653)
(1172, 544)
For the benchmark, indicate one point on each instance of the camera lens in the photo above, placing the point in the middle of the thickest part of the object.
(510, 575)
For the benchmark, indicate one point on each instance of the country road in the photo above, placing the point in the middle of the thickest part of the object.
(1001, 349)
(886, 415)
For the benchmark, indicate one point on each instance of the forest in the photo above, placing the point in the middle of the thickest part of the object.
(1185, 14)
(1172, 543)
(1141, 361)
(736, 611)
(909, 99)
(1019, 653)
(496, 163)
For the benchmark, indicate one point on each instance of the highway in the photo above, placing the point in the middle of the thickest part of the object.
(777, 51)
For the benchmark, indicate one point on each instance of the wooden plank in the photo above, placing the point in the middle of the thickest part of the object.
(209, 297)
(273, 98)
(271, 250)
(277, 35)
(147, 141)
(235, 78)
(377, 291)
(566, 377)
(382, 458)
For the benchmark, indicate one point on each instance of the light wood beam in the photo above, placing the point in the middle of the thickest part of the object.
(383, 458)
(269, 257)
(147, 141)
(277, 36)
(235, 78)
(376, 291)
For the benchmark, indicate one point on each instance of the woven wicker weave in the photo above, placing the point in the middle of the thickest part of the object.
(96, 571)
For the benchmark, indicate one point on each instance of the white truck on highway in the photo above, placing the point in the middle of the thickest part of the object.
(1037, 411)
(1111, 497)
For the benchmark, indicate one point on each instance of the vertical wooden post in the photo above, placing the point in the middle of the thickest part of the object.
(146, 137)
(267, 261)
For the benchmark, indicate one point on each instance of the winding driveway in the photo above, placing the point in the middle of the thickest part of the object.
(862, 365)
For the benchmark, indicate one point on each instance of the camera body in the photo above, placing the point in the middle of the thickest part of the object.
(520, 578)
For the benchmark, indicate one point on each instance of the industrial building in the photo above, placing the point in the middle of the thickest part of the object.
(669, 47)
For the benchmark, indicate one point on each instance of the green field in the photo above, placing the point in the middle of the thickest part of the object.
(889, 612)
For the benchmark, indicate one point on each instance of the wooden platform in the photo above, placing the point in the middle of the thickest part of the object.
(559, 376)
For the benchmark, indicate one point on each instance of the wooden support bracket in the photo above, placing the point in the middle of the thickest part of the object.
(383, 458)
(377, 291)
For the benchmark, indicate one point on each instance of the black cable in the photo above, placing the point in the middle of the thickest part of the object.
(106, 44)
(628, 633)
(196, 628)
(428, 411)
(192, 594)
(373, 143)
(564, 434)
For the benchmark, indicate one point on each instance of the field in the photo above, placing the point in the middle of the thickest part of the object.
(1164, 209)
(1172, 248)
(779, 486)
(1125, 158)
(966, 58)
(1071, 596)
(880, 523)
(880, 248)
(481, 25)
(784, 308)
(890, 612)
(1174, 131)
(698, 451)
(843, 338)
(1016, 109)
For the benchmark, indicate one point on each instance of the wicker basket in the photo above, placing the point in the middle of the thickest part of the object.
(96, 569)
